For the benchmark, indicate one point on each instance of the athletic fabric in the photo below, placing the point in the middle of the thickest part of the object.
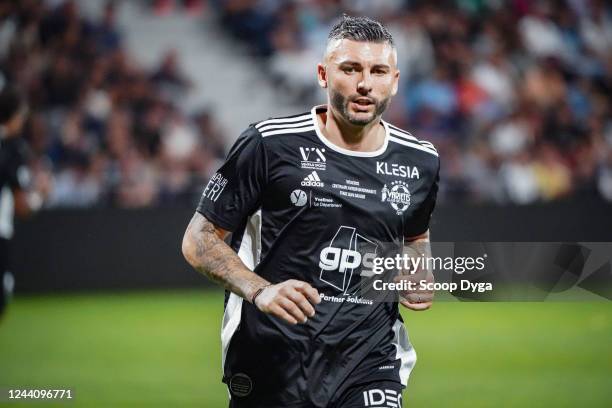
(303, 208)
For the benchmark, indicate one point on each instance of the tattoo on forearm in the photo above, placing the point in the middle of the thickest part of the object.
(216, 260)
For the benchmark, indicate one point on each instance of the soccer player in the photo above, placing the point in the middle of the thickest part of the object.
(16, 194)
(304, 197)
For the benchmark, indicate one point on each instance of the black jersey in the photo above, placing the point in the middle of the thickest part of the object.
(14, 175)
(303, 208)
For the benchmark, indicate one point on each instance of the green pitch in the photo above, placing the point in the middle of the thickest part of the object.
(162, 349)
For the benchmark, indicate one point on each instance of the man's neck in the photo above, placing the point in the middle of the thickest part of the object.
(368, 138)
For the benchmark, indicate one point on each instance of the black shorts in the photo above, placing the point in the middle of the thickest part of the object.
(375, 394)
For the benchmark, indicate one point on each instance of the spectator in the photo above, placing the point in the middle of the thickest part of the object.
(99, 120)
(516, 95)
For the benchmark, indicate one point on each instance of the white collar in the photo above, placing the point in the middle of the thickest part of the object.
(342, 150)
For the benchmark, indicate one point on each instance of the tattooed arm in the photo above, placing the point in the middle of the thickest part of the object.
(205, 250)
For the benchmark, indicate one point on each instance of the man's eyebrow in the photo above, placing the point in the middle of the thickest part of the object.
(381, 66)
(358, 64)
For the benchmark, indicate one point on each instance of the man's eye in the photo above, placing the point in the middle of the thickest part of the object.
(348, 70)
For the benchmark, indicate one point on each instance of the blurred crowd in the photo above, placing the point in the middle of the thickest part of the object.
(103, 130)
(516, 95)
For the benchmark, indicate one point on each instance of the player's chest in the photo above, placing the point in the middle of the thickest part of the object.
(310, 178)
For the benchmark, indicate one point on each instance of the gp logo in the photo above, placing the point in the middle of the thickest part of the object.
(347, 255)
(382, 398)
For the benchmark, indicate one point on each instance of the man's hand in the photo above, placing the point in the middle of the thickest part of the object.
(417, 299)
(204, 248)
(291, 300)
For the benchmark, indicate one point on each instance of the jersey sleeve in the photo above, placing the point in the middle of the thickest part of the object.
(234, 191)
(419, 222)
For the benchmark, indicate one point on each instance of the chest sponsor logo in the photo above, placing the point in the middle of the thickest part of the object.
(313, 158)
(352, 188)
(397, 170)
(324, 202)
(312, 180)
(348, 255)
(397, 195)
(215, 187)
(298, 198)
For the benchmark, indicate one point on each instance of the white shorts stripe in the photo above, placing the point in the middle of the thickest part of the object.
(249, 253)
(404, 351)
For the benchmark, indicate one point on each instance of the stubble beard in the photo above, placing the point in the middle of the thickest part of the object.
(340, 103)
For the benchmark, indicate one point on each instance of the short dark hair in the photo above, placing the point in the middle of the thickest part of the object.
(360, 29)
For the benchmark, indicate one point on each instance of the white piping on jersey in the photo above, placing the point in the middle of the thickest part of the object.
(428, 144)
(250, 254)
(421, 142)
(342, 150)
(286, 125)
(282, 120)
(403, 134)
(290, 130)
(413, 145)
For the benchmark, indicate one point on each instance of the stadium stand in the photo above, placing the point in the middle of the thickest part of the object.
(516, 95)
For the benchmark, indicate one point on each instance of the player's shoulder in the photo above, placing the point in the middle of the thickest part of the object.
(258, 133)
(406, 140)
(284, 125)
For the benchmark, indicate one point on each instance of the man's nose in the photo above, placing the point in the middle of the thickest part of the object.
(364, 86)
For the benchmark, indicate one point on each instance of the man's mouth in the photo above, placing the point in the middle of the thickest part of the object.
(363, 101)
(362, 104)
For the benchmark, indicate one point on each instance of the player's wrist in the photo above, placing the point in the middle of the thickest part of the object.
(258, 292)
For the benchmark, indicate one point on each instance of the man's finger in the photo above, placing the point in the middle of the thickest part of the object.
(416, 306)
(303, 303)
(280, 312)
(311, 293)
(417, 297)
(293, 309)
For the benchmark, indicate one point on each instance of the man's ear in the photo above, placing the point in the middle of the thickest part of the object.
(395, 82)
(322, 75)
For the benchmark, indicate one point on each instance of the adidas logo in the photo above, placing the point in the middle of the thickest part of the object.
(312, 180)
